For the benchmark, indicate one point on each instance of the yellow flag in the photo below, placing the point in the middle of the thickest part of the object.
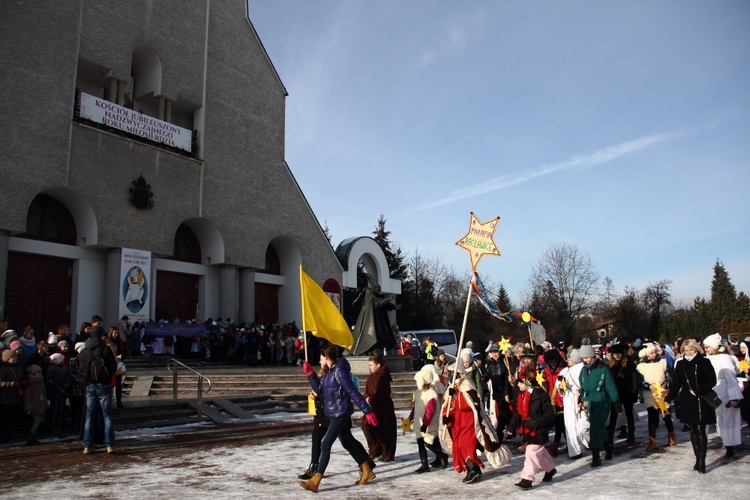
(321, 316)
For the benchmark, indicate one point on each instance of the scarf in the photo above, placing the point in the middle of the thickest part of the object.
(523, 411)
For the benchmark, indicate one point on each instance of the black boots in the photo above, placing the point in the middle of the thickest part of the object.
(608, 449)
(424, 468)
(422, 457)
(309, 473)
(549, 475)
(473, 474)
(700, 448)
(596, 460)
(623, 433)
(631, 435)
(441, 458)
(730, 452)
(524, 484)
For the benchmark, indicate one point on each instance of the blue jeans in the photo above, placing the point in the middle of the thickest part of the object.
(101, 395)
(341, 428)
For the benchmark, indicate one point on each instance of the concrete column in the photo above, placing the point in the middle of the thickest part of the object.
(247, 295)
(4, 241)
(229, 292)
(112, 288)
(112, 90)
(121, 93)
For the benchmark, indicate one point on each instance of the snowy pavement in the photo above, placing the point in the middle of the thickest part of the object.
(146, 466)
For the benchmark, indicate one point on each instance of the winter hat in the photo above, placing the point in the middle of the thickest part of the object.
(466, 355)
(647, 348)
(586, 351)
(80, 346)
(56, 358)
(63, 343)
(575, 356)
(553, 358)
(9, 353)
(16, 344)
(425, 376)
(33, 369)
(492, 347)
(617, 349)
(52, 339)
(713, 341)
(440, 353)
(9, 336)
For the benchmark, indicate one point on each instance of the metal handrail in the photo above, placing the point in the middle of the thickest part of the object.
(175, 362)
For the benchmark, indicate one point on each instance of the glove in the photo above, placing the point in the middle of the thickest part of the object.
(618, 407)
(451, 392)
(446, 420)
(423, 429)
(307, 368)
(371, 419)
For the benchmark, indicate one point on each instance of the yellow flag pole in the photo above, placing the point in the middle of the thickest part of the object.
(302, 302)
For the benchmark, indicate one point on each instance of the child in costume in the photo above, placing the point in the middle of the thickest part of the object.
(467, 429)
(533, 417)
(424, 415)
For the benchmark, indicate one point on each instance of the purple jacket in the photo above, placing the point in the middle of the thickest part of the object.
(338, 391)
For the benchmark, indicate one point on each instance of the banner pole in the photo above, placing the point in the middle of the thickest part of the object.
(302, 303)
(461, 341)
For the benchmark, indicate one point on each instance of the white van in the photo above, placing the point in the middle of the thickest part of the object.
(444, 338)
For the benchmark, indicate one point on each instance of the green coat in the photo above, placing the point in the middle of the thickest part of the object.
(598, 392)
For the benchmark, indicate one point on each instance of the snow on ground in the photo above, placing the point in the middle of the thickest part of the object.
(271, 469)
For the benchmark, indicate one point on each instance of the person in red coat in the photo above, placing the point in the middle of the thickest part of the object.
(381, 439)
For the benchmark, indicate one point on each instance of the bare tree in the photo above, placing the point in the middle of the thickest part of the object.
(658, 299)
(568, 276)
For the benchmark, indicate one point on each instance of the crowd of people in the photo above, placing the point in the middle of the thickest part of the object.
(68, 384)
(579, 397)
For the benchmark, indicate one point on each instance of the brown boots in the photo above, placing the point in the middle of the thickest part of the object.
(651, 444)
(312, 484)
(671, 439)
(365, 473)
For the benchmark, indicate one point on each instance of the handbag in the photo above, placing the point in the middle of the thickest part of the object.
(712, 399)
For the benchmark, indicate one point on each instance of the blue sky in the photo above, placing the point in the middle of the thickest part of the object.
(619, 127)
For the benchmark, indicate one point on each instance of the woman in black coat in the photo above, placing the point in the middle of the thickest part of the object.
(694, 376)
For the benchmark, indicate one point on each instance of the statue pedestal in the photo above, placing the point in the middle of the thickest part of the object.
(361, 366)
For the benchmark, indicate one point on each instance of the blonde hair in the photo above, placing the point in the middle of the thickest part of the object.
(692, 344)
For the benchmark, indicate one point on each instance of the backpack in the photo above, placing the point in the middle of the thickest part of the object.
(98, 370)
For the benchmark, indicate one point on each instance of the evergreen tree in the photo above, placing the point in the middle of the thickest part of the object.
(394, 258)
(327, 231)
(724, 304)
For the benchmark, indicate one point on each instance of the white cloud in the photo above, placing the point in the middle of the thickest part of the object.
(601, 157)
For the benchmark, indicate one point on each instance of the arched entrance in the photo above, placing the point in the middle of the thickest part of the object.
(38, 287)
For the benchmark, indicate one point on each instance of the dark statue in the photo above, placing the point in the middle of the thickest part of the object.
(373, 333)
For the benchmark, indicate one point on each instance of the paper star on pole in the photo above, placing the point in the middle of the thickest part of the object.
(479, 240)
(504, 344)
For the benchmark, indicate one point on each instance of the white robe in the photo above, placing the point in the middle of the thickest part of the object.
(728, 420)
(576, 422)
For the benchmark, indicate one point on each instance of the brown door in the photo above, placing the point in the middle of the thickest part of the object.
(266, 303)
(176, 296)
(38, 292)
